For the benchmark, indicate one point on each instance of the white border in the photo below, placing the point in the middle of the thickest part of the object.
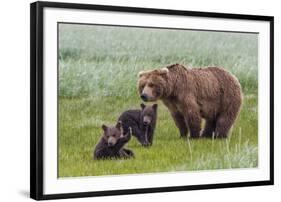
(53, 185)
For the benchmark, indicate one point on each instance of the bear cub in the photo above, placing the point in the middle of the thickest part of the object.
(112, 142)
(142, 121)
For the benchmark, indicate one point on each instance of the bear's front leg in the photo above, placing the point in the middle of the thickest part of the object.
(192, 118)
(121, 142)
(140, 135)
(177, 117)
(180, 123)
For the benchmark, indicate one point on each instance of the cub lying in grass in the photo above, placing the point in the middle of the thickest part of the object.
(142, 121)
(112, 142)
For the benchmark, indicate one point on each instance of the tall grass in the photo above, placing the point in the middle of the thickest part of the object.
(92, 59)
(98, 68)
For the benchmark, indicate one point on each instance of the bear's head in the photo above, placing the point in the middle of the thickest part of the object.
(152, 84)
(111, 135)
(148, 114)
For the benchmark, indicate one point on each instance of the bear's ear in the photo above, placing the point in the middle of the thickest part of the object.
(163, 71)
(104, 127)
(119, 125)
(141, 73)
(142, 106)
(154, 106)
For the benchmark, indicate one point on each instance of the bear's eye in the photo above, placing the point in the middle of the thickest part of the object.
(113, 135)
(150, 85)
(157, 91)
(142, 87)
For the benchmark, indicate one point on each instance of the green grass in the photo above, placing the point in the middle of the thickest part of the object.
(98, 69)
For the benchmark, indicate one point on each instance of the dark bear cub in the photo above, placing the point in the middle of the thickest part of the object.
(112, 143)
(142, 121)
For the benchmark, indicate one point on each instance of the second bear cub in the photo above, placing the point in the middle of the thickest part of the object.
(111, 144)
(142, 121)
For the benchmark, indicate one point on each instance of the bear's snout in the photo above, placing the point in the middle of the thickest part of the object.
(146, 120)
(111, 141)
(145, 123)
(144, 97)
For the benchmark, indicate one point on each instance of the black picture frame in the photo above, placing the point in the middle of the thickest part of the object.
(36, 98)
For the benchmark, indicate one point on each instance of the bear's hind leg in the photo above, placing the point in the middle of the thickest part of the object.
(223, 125)
(129, 152)
(209, 129)
(226, 120)
(125, 153)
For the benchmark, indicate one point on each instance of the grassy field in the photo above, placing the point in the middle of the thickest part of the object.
(98, 69)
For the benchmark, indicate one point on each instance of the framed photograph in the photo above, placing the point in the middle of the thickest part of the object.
(131, 100)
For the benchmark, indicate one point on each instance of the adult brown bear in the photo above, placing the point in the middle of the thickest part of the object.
(191, 94)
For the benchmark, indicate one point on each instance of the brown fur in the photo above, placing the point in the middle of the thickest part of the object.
(194, 93)
(112, 142)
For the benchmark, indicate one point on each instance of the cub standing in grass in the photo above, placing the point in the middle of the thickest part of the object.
(112, 142)
(142, 121)
(192, 94)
